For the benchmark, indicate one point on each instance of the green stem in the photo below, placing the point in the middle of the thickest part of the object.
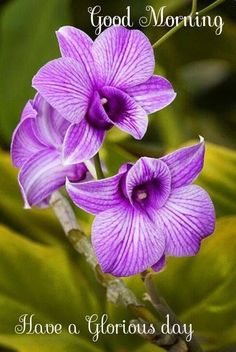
(98, 167)
(181, 24)
(194, 6)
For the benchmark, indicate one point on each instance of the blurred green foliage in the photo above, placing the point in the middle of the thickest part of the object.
(39, 271)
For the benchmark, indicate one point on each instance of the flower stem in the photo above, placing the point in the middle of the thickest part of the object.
(82, 245)
(98, 167)
(163, 309)
(181, 24)
(194, 6)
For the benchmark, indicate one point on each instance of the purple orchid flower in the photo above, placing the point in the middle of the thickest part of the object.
(147, 211)
(36, 150)
(96, 85)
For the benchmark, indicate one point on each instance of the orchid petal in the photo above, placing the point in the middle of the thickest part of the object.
(24, 142)
(96, 196)
(185, 164)
(28, 111)
(50, 126)
(125, 167)
(125, 113)
(77, 45)
(42, 174)
(82, 141)
(126, 241)
(154, 94)
(66, 86)
(187, 217)
(123, 57)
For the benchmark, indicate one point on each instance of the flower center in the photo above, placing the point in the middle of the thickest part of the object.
(105, 105)
(146, 184)
(140, 194)
(104, 101)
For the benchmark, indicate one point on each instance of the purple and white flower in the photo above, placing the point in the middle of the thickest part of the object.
(96, 85)
(148, 210)
(36, 150)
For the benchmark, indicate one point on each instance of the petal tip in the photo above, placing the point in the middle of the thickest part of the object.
(67, 183)
(60, 30)
(160, 264)
(34, 81)
(174, 95)
(201, 139)
(139, 136)
(63, 29)
(68, 187)
(27, 206)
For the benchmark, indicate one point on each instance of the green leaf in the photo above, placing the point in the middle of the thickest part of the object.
(149, 348)
(201, 289)
(218, 178)
(114, 156)
(46, 281)
(41, 274)
(35, 343)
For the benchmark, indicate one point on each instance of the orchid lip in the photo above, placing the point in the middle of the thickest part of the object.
(97, 114)
(109, 106)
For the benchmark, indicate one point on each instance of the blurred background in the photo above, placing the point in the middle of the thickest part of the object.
(39, 271)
